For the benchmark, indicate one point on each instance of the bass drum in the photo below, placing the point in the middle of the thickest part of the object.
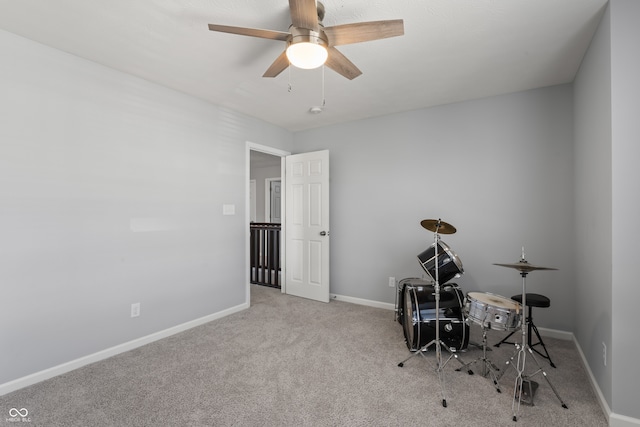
(409, 281)
(419, 316)
(449, 265)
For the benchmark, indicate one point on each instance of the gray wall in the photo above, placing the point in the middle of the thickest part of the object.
(608, 206)
(625, 152)
(112, 193)
(499, 169)
(593, 295)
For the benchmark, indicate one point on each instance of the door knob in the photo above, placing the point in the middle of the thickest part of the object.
(324, 233)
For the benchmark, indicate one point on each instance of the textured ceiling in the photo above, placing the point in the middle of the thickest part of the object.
(452, 50)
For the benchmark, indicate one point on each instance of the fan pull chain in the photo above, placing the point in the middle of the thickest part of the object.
(323, 98)
(289, 70)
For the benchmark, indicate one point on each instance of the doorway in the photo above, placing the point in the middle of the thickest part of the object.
(264, 169)
(303, 255)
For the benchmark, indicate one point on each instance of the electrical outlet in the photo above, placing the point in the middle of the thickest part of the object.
(604, 354)
(135, 309)
(392, 282)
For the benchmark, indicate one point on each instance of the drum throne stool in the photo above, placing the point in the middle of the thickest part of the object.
(533, 300)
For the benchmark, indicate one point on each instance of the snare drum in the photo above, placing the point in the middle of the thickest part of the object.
(449, 265)
(492, 311)
(419, 316)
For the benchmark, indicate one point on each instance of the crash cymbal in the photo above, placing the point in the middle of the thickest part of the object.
(438, 226)
(525, 267)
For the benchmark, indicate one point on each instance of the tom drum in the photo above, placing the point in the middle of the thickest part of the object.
(449, 265)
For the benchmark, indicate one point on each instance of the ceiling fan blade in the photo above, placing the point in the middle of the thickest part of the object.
(253, 32)
(341, 65)
(279, 65)
(304, 14)
(363, 31)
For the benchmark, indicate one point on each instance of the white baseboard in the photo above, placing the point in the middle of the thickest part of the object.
(552, 333)
(109, 352)
(360, 301)
(615, 420)
(555, 333)
(594, 384)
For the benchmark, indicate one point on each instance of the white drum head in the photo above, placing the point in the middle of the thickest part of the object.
(495, 300)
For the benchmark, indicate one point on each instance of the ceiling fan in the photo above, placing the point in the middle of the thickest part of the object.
(310, 44)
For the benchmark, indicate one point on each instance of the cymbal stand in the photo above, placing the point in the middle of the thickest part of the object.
(521, 352)
(488, 368)
(437, 342)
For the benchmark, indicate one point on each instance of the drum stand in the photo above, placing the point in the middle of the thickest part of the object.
(521, 352)
(437, 342)
(488, 368)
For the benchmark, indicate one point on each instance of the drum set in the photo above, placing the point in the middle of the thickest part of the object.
(434, 313)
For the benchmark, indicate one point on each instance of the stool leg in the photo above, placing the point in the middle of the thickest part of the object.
(529, 326)
(542, 343)
(504, 340)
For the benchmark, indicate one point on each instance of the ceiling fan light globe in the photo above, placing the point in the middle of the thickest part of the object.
(307, 55)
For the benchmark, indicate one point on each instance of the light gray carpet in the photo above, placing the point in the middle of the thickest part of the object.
(288, 361)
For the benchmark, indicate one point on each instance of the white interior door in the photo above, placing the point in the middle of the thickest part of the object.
(252, 200)
(307, 225)
(275, 200)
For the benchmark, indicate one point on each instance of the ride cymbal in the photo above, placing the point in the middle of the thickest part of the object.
(525, 267)
(438, 226)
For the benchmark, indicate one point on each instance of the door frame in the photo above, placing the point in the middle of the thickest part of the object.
(249, 147)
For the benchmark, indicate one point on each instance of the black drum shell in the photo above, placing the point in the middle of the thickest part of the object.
(449, 264)
(418, 316)
(409, 281)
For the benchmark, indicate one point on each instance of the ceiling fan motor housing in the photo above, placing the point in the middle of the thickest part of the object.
(303, 35)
